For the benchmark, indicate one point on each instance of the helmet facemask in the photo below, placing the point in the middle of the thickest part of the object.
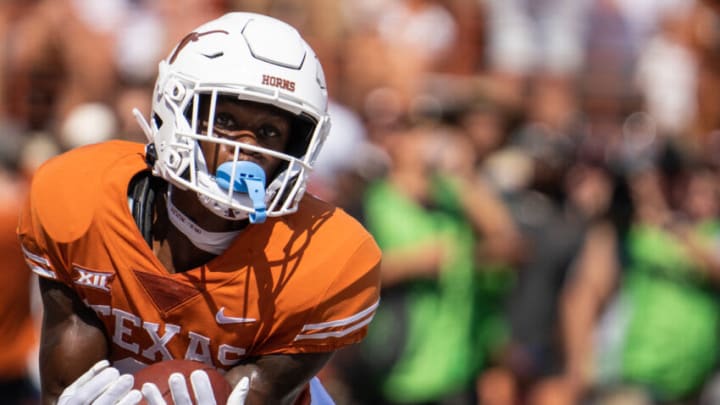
(233, 191)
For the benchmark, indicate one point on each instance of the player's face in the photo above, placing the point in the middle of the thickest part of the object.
(250, 123)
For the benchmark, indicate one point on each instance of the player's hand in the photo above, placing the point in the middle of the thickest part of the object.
(101, 385)
(179, 390)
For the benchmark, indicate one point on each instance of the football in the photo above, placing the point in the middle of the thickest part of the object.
(158, 373)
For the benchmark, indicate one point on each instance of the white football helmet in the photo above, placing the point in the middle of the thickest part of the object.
(251, 57)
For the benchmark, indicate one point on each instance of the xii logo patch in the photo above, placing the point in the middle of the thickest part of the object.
(92, 278)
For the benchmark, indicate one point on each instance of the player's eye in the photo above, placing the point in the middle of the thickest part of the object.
(225, 121)
(269, 131)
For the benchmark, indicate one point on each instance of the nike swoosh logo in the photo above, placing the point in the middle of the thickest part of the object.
(223, 319)
(213, 55)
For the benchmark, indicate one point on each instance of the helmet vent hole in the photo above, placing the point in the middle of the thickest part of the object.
(158, 121)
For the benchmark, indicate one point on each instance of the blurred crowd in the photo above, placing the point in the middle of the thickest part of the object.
(543, 177)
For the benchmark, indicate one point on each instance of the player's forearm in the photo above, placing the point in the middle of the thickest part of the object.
(277, 379)
(64, 357)
(263, 390)
(72, 340)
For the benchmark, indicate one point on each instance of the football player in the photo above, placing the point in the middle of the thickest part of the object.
(202, 244)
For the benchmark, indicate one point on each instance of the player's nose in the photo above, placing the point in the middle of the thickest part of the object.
(243, 137)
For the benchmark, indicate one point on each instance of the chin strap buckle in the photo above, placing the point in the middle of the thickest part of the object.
(246, 177)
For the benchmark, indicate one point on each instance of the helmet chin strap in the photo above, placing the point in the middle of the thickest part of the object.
(236, 177)
(212, 242)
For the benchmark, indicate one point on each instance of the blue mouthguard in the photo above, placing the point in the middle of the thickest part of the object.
(249, 179)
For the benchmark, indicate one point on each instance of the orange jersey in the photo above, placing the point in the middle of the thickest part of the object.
(301, 283)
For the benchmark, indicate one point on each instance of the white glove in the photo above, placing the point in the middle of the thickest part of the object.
(201, 386)
(179, 391)
(240, 392)
(101, 385)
